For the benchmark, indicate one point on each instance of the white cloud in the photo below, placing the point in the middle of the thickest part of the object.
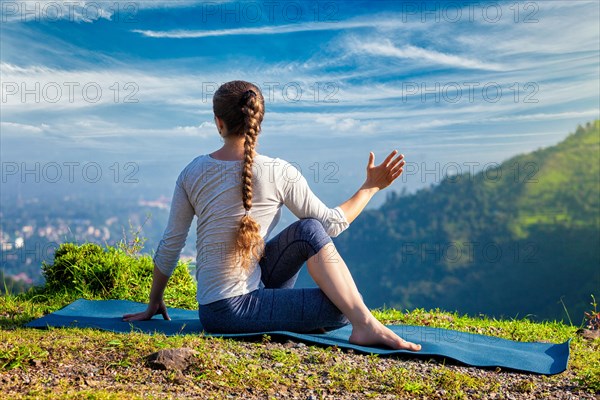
(385, 48)
(15, 128)
(341, 123)
(205, 129)
(388, 23)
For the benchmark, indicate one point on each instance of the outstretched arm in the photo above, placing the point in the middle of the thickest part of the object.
(167, 254)
(378, 177)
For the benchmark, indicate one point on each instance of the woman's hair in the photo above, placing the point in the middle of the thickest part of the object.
(241, 106)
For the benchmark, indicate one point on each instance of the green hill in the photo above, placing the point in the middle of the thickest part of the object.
(520, 239)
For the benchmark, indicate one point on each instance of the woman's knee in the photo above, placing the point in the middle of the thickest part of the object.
(310, 225)
(312, 231)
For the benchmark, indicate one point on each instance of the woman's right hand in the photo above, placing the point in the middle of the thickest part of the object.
(382, 175)
(153, 309)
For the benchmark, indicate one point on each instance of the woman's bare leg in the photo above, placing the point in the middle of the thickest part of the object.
(331, 274)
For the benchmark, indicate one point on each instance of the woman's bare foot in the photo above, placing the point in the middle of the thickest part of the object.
(375, 333)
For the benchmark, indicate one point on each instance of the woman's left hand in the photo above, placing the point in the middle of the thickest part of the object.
(153, 309)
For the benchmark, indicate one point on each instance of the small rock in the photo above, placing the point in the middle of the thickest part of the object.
(590, 334)
(36, 363)
(169, 359)
(278, 365)
(91, 382)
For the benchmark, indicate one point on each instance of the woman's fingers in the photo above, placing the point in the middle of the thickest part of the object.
(397, 162)
(389, 162)
(397, 166)
(389, 158)
(141, 316)
(132, 317)
(151, 311)
(398, 159)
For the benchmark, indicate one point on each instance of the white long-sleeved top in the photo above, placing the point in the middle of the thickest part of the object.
(210, 189)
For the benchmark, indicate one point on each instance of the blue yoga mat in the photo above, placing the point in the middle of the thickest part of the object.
(468, 348)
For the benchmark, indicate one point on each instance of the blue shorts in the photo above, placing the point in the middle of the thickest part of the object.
(278, 306)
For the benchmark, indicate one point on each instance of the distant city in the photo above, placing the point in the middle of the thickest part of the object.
(32, 229)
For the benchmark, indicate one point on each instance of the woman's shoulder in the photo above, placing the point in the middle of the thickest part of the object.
(278, 170)
(276, 162)
(196, 161)
(277, 167)
(193, 165)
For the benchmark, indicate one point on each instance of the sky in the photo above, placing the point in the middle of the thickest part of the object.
(126, 86)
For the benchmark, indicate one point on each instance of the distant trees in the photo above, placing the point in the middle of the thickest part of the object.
(518, 244)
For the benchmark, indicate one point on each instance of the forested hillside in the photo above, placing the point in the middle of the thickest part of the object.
(513, 240)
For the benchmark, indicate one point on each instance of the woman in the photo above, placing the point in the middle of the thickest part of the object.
(245, 284)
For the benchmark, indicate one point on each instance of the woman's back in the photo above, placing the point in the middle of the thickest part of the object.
(210, 189)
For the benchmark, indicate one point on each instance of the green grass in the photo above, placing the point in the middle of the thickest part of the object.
(86, 363)
(229, 366)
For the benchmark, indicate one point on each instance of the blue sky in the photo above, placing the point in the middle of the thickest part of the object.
(446, 83)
